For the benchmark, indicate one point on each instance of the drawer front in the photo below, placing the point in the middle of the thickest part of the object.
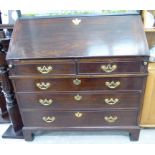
(79, 118)
(81, 84)
(111, 67)
(78, 100)
(44, 68)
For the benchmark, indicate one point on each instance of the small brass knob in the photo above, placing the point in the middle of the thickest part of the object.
(10, 66)
(78, 114)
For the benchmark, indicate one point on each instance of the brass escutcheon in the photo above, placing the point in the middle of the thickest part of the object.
(78, 114)
(77, 82)
(78, 97)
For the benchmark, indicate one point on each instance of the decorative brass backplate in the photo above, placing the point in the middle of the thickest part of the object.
(108, 68)
(110, 119)
(112, 84)
(48, 119)
(43, 85)
(45, 102)
(111, 101)
(44, 69)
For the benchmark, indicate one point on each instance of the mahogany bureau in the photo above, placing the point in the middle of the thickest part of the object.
(84, 73)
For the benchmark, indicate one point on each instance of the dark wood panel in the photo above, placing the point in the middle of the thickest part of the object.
(85, 84)
(98, 36)
(79, 100)
(36, 118)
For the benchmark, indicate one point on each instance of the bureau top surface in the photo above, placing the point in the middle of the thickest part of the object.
(95, 36)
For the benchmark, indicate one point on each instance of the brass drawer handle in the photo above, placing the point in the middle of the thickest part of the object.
(45, 102)
(48, 119)
(111, 101)
(76, 21)
(78, 114)
(112, 84)
(78, 97)
(108, 68)
(43, 85)
(44, 69)
(110, 119)
(77, 82)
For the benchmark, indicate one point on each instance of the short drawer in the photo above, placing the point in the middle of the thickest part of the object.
(79, 118)
(80, 84)
(48, 67)
(111, 67)
(79, 100)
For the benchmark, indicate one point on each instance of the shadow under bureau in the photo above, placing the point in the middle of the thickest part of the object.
(79, 73)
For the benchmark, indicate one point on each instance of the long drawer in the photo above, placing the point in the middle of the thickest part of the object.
(79, 100)
(36, 118)
(81, 84)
